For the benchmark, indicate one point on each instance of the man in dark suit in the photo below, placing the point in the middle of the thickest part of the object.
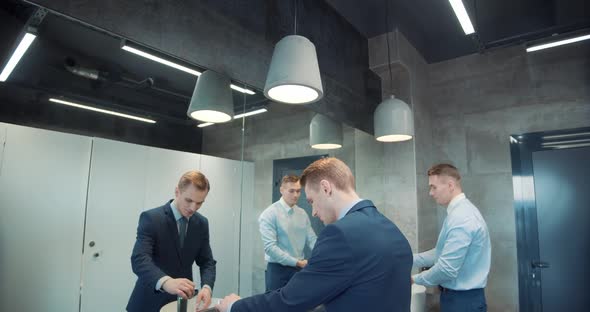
(360, 261)
(169, 239)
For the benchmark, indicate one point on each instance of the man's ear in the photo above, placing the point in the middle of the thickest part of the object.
(325, 187)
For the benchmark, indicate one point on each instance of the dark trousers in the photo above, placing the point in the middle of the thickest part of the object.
(277, 276)
(463, 300)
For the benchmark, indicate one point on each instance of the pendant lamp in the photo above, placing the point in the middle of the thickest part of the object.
(325, 133)
(212, 100)
(294, 73)
(393, 119)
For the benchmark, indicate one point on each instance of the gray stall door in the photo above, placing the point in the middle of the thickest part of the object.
(562, 192)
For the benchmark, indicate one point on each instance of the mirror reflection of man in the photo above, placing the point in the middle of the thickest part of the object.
(170, 238)
(286, 230)
(361, 261)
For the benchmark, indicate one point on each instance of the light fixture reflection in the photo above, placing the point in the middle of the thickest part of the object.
(100, 110)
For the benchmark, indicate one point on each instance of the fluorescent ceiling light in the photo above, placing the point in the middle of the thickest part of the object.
(462, 15)
(203, 125)
(566, 142)
(177, 66)
(101, 110)
(557, 43)
(240, 89)
(254, 112)
(563, 136)
(161, 60)
(17, 55)
(568, 146)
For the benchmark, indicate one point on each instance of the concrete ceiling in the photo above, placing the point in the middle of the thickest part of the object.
(431, 26)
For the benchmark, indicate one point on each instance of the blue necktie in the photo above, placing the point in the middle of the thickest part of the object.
(182, 230)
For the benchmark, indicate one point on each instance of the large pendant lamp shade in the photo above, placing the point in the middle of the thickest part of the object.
(294, 73)
(393, 121)
(325, 133)
(212, 99)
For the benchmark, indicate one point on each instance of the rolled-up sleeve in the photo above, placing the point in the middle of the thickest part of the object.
(450, 260)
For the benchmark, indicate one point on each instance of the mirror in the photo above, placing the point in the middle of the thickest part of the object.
(76, 62)
(106, 135)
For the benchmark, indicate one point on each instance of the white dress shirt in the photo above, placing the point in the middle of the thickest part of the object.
(285, 232)
(462, 256)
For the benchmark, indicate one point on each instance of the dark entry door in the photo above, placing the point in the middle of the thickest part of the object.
(553, 215)
(562, 192)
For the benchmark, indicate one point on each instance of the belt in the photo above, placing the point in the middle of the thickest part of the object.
(443, 289)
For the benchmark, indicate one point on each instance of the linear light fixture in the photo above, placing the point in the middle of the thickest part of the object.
(462, 15)
(557, 43)
(160, 60)
(240, 89)
(564, 136)
(206, 124)
(254, 112)
(185, 69)
(100, 110)
(20, 50)
(566, 142)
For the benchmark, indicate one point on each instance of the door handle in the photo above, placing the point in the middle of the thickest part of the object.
(540, 264)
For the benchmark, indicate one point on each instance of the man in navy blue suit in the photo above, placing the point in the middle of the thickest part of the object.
(170, 239)
(360, 262)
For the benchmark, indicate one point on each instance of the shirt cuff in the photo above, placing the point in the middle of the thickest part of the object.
(161, 282)
(207, 286)
(418, 279)
(229, 307)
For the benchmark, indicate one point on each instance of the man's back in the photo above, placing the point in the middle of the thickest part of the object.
(382, 263)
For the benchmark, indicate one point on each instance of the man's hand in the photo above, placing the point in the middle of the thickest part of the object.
(180, 286)
(224, 304)
(412, 279)
(204, 296)
(301, 263)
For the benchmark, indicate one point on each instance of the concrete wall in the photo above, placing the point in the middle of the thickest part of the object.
(476, 102)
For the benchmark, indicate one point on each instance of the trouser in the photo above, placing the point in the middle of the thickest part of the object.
(277, 276)
(462, 300)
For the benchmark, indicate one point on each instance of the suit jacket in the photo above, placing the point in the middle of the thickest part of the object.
(361, 262)
(157, 253)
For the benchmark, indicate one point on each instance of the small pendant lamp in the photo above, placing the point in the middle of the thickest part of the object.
(325, 133)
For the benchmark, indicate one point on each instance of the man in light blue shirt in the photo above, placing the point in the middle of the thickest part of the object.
(460, 262)
(285, 230)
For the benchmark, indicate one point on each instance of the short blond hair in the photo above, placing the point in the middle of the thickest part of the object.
(329, 168)
(196, 178)
(289, 179)
(446, 170)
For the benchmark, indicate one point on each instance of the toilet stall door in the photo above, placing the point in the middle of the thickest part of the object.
(562, 192)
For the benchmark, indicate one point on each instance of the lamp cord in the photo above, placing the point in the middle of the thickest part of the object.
(388, 52)
(295, 19)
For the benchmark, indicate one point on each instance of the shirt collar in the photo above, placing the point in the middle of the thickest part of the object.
(343, 212)
(175, 211)
(286, 207)
(454, 202)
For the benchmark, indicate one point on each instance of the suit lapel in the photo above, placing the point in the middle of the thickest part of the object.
(173, 229)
